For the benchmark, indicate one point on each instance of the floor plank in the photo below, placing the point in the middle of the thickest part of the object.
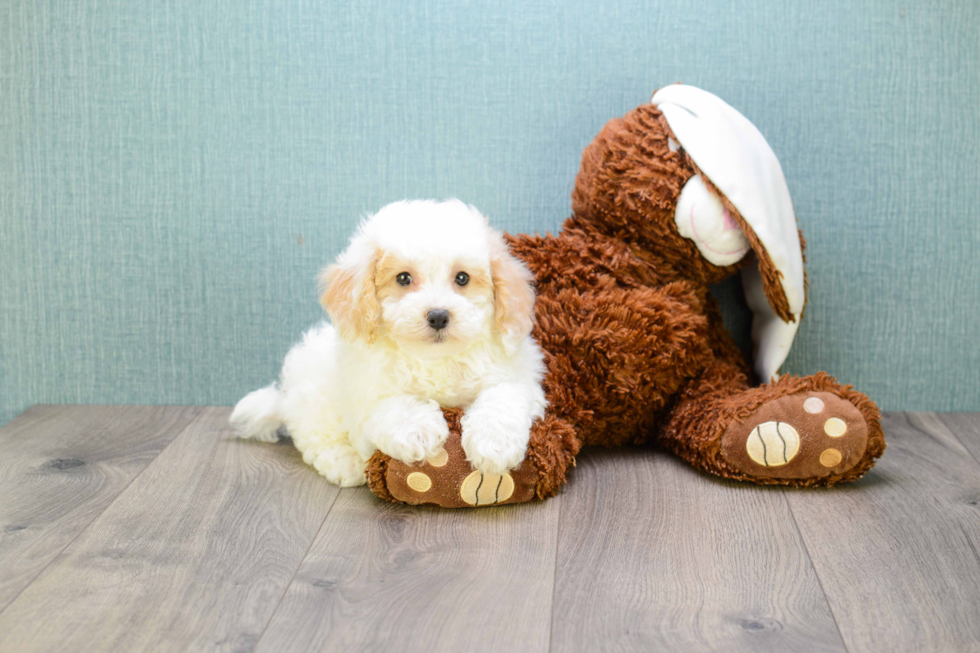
(654, 555)
(897, 551)
(220, 544)
(60, 466)
(194, 555)
(402, 578)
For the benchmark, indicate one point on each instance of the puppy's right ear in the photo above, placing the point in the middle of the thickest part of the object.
(513, 294)
(349, 295)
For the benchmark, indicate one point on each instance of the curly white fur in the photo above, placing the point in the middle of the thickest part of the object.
(376, 377)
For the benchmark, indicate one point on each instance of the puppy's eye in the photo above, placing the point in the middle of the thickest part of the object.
(462, 279)
(403, 279)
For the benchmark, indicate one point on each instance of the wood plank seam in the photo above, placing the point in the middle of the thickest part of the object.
(816, 572)
(935, 417)
(299, 566)
(554, 573)
(958, 439)
(969, 541)
(197, 413)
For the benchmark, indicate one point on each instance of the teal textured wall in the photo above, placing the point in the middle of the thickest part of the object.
(172, 174)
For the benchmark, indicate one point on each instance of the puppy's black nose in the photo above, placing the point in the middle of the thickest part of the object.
(437, 318)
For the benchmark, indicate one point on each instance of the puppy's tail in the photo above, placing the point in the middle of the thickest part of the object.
(257, 415)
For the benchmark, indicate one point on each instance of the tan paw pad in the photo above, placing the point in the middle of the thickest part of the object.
(835, 427)
(830, 458)
(439, 460)
(813, 405)
(479, 489)
(419, 482)
(772, 444)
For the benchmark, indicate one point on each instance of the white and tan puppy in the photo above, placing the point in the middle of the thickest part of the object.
(427, 308)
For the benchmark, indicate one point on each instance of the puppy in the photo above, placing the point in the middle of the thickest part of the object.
(427, 308)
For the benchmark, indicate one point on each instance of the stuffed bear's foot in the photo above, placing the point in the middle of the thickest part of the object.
(808, 435)
(804, 431)
(448, 480)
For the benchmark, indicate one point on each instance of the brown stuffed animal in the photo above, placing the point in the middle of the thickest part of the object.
(673, 197)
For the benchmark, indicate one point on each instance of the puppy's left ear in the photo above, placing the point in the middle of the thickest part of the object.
(513, 294)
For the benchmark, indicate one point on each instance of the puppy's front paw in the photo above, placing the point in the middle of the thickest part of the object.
(410, 437)
(494, 445)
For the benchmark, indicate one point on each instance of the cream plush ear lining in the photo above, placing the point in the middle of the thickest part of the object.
(738, 162)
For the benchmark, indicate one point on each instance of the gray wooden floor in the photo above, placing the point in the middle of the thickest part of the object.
(151, 528)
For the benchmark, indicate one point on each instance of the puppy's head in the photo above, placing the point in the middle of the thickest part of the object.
(431, 276)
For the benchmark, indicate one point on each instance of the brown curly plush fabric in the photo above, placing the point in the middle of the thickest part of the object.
(635, 346)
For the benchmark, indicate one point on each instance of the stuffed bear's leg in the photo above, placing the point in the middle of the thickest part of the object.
(800, 431)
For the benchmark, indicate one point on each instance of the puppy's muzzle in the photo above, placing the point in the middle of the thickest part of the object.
(438, 318)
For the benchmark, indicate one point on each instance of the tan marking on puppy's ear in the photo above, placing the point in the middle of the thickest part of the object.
(513, 294)
(348, 293)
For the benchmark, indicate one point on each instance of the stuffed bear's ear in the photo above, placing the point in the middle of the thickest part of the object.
(736, 164)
